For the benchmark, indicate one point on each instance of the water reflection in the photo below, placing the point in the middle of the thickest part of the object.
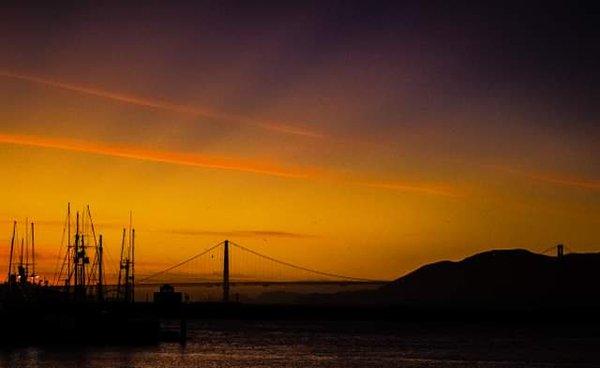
(274, 344)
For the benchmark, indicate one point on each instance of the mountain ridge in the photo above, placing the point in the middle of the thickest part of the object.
(498, 277)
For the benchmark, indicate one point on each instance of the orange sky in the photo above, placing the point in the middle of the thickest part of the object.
(370, 225)
(367, 156)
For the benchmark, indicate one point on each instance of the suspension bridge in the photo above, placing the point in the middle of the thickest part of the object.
(228, 264)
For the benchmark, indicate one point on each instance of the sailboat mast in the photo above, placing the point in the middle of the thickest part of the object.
(32, 251)
(82, 255)
(12, 246)
(21, 255)
(132, 265)
(76, 253)
(119, 284)
(68, 280)
(27, 246)
(100, 271)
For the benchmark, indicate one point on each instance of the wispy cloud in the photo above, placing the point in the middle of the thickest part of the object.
(166, 106)
(439, 190)
(242, 233)
(554, 179)
(567, 181)
(43, 252)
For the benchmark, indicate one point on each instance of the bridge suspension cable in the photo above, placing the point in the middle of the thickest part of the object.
(180, 263)
(310, 270)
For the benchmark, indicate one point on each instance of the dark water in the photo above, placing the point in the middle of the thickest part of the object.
(318, 344)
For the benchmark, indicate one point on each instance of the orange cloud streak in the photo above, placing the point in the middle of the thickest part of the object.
(165, 105)
(195, 160)
(151, 155)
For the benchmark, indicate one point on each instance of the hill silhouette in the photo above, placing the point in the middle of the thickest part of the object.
(499, 278)
(503, 277)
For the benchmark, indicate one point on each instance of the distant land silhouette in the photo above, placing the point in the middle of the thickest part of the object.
(498, 278)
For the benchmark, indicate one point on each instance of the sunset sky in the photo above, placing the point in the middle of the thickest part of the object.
(357, 138)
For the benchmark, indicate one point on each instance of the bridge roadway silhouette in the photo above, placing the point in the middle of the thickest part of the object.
(226, 282)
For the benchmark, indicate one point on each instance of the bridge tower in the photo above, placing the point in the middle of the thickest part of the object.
(226, 271)
(560, 250)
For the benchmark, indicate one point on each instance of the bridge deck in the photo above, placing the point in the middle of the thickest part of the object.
(267, 283)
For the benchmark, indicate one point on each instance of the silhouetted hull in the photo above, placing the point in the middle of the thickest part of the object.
(34, 314)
